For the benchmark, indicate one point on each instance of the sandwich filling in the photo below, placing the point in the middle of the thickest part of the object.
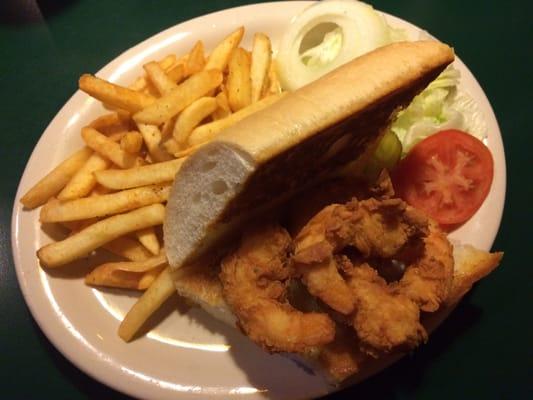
(354, 282)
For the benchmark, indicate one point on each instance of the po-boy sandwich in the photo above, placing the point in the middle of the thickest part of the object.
(348, 278)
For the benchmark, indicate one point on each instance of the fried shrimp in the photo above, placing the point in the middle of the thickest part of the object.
(385, 316)
(324, 281)
(427, 281)
(385, 321)
(341, 190)
(375, 228)
(340, 358)
(254, 280)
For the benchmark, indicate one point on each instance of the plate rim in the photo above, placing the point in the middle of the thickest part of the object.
(127, 383)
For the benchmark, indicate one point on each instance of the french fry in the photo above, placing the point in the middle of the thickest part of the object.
(100, 190)
(191, 89)
(207, 132)
(182, 60)
(148, 239)
(171, 146)
(82, 243)
(146, 265)
(223, 89)
(103, 205)
(191, 117)
(159, 78)
(56, 180)
(112, 122)
(188, 151)
(131, 142)
(223, 110)
(176, 73)
(168, 127)
(151, 90)
(108, 277)
(152, 137)
(148, 277)
(168, 61)
(76, 226)
(116, 136)
(104, 275)
(83, 181)
(128, 248)
(139, 176)
(274, 86)
(218, 59)
(260, 63)
(158, 292)
(107, 148)
(114, 95)
(196, 61)
(118, 209)
(128, 274)
(238, 82)
(139, 84)
(143, 85)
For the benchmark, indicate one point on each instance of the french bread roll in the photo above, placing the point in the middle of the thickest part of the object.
(199, 283)
(303, 137)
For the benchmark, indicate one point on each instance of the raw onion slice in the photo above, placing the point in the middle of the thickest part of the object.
(327, 35)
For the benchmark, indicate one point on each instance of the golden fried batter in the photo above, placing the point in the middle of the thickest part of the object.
(324, 281)
(385, 316)
(254, 280)
(428, 280)
(337, 191)
(342, 357)
(377, 228)
(384, 321)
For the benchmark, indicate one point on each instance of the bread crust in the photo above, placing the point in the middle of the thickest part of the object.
(201, 285)
(367, 82)
(302, 138)
(325, 124)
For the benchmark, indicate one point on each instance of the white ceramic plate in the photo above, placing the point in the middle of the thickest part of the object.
(187, 352)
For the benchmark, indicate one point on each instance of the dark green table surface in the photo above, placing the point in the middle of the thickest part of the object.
(483, 351)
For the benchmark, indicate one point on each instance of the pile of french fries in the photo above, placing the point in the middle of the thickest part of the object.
(111, 193)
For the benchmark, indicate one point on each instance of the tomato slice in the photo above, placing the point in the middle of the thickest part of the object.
(447, 175)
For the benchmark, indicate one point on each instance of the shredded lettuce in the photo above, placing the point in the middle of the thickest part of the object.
(474, 120)
(440, 106)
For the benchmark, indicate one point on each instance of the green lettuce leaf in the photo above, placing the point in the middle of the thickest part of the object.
(438, 107)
